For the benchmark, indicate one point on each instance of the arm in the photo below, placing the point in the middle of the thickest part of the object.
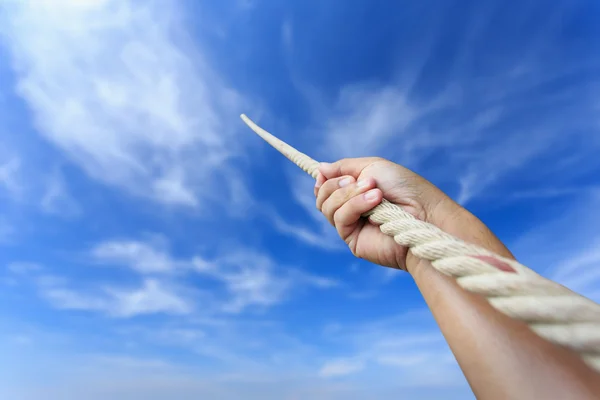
(500, 357)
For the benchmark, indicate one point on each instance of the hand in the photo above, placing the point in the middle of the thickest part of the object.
(506, 348)
(348, 188)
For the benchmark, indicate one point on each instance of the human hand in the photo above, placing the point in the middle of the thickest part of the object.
(348, 188)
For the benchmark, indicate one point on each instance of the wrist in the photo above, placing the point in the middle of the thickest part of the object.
(448, 215)
(456, 220)
(414, 264)
(442, 212)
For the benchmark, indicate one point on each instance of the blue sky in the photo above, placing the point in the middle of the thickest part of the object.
(153, 247)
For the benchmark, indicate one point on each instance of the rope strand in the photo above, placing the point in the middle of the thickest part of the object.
(551, 310)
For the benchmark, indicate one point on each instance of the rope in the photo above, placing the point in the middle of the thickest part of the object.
(551, 310)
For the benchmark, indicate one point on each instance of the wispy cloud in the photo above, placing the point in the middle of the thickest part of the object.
(146, 296)
(143, 100)
(56, 198)
(261, 360)
(9, 177)
(121, 91)
(231, 282)
(143, 257)
(322, 237)
(23, 268)
(316, 231)
(340, 368)
(151, 297)
(19, 272)
(386, 120)
(364, 119)
(253, 279)
(476, 137)
(581, 272)
(565, 247)
(408, 346)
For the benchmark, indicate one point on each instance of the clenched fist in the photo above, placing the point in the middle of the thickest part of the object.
(348, 188)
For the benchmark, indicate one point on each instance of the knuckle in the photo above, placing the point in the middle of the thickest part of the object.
(334, 184)
(349, 194)
(342, 195)
(353, 191)
(325, 186)
(352, 245)
(338, 216)
(326, 209)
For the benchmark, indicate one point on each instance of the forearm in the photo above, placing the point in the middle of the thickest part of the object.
(500, 357)
(460, 223)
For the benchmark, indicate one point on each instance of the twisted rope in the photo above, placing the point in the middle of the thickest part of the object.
(551, 310)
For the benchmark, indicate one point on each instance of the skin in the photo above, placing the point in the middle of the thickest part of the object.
(500, 357)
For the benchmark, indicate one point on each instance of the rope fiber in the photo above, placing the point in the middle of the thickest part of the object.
(551, 310)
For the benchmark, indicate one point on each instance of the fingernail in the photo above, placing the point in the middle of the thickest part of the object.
(345, 182)
(362, 183)
(317, 184)
(370, 195)
(324, 164)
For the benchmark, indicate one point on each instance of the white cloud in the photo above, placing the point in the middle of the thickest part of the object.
(406, 360)
(316, 232)
(118, 88)
(581, 273)
(56, 198)
(408, 347)
(69, 299)
(490, 163)
(565, 246)
(23, 268)
(298, 276)
(231, 282)
(365, 119)
(250, 282)
(386, 275)
(128, 363)
(589, 255)
(324, 239)
(141, 256)
(340, 368)
(553, 192)
(9, 176)
(477, 150)
(253, 279)
(151, 298)
(126, 377)
(478, 138)
(19, 273)
(257, 359)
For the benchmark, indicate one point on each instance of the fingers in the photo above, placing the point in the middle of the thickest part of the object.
(330, 186)
(346, 166)
(348, 215)
(343, 201)
(320, 180)
(347, 190)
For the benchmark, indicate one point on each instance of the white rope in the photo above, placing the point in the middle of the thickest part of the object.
(551, 310)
